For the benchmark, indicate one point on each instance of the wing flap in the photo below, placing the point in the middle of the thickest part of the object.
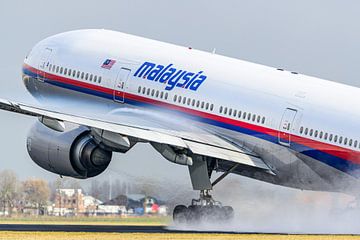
(238, 156)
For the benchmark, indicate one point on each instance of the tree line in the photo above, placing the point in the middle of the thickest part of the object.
(38, 193)
(18, 194)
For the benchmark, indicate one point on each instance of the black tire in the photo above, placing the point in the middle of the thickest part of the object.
(206, 213)
(180, 214)
(193, 214)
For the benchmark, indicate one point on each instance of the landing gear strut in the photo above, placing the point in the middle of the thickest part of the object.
(204, 209)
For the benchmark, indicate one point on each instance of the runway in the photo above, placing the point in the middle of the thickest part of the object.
(95, 228)
(134, 229)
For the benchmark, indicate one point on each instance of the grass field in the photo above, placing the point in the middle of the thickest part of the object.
(166, 236)
(150, 221)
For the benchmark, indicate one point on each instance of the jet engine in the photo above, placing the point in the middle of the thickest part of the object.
(72, 153)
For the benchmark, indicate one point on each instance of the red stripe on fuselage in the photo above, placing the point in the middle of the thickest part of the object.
(344, 153)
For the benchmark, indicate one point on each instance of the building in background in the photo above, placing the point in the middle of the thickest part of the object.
(68, 202)
(73, 202)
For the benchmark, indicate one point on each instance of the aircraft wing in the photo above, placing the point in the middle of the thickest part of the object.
(133, 123)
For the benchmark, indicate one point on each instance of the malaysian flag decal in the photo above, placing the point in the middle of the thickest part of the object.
(108, 64)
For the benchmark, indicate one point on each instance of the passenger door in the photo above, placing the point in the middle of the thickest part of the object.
(286, 126)
(121, 85)
(43, 63)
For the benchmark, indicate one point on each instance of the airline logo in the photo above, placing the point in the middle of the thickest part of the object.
(170, 76)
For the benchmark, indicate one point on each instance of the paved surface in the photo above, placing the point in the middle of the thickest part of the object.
(90, 228)
(112, 229)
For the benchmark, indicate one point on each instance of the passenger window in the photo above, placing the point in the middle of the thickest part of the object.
(82, 75)
(161, 95)
(230, 111)
(355, 143)
(321, 135)
(221, 109)
(254, 118)
(69, 73)
(78, 74)
(53, 68)
(207, 106)
(345, 141)
(179, 100)
(202, 105)
(193, 102)
(61, 70)
(301, 130)
(211, 107)
(239, 114)
(330, 137)
(57, 69)
(157, 93)
(144, 90)
(235, 113)
(335, 138)
(65, 71)
(99, 79)
(311, 132)
(198, 103)
(244, 115)
(139, 89)
(50, 67)
(175, 98)
(258, 119)
(184, 100)
(306, 131)
(316, 133)
(225, 110)
(249, 116)
(188, 101)
(74, 73)
(350, 142)
(340, 140)
(166, 96)
(95, 78)
(91, 77)
(326, 136)
(86, 76)
(148, 92)
(263, 120)
(152, 92)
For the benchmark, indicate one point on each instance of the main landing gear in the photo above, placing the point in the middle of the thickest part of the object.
(204, 209)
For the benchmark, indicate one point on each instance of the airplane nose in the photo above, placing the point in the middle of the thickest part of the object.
(30, 85)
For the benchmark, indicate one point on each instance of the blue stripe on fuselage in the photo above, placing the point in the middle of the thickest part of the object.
(343, 165)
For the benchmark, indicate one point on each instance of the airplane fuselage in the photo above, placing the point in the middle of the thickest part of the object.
(306, 129)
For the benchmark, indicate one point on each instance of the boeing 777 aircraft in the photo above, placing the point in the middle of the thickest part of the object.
(198, 109)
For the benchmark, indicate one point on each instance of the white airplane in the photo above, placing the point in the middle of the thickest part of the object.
(204, 111)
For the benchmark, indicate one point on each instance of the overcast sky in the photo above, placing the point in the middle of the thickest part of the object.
(319, 38)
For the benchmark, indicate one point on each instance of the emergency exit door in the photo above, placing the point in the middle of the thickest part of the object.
(286, 126)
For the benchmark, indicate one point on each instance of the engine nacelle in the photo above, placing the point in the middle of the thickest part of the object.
(72, 153)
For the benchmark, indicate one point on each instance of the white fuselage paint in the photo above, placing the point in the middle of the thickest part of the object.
(302, 153)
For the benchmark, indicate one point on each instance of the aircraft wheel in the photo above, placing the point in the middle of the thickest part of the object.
(180, 214)
(193, 213)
